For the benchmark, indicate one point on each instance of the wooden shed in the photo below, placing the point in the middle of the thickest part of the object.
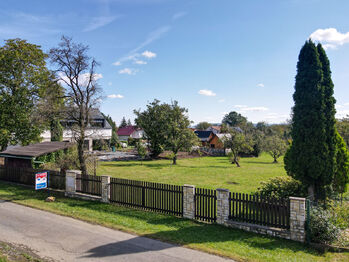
(22, 156)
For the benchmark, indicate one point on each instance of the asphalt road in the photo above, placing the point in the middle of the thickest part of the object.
(66, 239)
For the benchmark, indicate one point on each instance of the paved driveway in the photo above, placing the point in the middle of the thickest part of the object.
(66, 239)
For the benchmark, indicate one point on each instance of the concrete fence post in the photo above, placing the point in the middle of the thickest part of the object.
(222, 205)
(70, 182)
(189, 201)
(297, 218)
(105, 189)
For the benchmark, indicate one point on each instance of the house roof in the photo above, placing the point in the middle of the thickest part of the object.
(35, 150)
(222, 136)
(218, 128)
(203, 135)
(126, 131)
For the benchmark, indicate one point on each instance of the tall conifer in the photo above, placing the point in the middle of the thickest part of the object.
(307, 158)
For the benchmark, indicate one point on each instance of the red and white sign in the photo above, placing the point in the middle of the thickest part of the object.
(41, 180)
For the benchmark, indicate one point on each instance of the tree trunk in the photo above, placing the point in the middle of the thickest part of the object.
(175, 160)
(236, 162)
(275, 160)
(311, 192)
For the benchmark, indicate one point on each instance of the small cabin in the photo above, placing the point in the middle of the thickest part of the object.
(24, 156)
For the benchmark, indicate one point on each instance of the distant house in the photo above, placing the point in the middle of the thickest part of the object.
(97, 129)
(124, 133)
(214, 129)
(24, 156)
(204, 136)
(217, 140)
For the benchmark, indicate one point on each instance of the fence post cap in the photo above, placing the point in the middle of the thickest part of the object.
(297, 198)
(222, 189)
(73, 171)
(186, 185)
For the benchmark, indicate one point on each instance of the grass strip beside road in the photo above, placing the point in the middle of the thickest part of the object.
(212, 238)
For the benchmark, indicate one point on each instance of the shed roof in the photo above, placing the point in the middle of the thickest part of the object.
(35, 150)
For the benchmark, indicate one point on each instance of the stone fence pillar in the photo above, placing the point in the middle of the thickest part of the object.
(297, 218)
(70, 182)
(189, 201)
(222, 205)
(105, 189)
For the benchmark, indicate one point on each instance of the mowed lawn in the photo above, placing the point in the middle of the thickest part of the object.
(206, 172)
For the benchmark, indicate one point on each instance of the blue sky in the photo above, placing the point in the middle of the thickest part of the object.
(212, 56)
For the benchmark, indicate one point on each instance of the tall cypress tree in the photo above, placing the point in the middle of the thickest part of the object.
(329, 113)
(306, 160)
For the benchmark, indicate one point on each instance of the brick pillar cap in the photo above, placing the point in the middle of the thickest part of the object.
(297, 198)
(188, 185)
(104, 176)
(222, 189)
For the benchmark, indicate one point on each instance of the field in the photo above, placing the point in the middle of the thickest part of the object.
(206, 172)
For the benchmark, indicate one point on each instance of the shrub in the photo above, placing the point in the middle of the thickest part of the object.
(282, 187)
(322, 228)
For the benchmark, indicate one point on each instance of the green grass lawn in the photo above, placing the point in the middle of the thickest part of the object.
(233, 243)
(207, 172)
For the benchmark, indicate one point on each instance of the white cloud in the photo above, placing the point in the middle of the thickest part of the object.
(178, 15)
(117, 63)
(221, 100)
(342, 113)
(140, 62)
(255, 109)
(115, 96)
(152, 36)
(128, 71)
(206, 92)
(260, 85)
(83, 78)
(346, 104)
(98, 22)
(240, 106)
(148, 54)
(330, 37)
(244, 108)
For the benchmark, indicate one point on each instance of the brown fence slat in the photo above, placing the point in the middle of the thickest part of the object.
(260, 210)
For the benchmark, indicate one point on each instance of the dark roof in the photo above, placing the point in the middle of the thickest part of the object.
(95, 117)
(35, 150)
(126, 131)
(203, 135)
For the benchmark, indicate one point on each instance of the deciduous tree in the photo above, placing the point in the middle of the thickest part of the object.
(178, 135)
(23, 77)
(77, 71)
(274, 146)
(203, 125)
(237, 142)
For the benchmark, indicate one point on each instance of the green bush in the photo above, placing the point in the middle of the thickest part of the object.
(282, 187)
(322, 226)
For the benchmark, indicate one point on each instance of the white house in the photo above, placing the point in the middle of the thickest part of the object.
(97, 129)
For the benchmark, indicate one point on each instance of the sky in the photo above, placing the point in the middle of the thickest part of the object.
(212, 56)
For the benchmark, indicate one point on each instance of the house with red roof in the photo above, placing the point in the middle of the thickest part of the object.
(124, 133)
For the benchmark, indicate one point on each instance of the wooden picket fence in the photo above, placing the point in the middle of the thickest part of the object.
(260, 210)
(158, 197)
(26, 176)
(88, 184)
(205, 204)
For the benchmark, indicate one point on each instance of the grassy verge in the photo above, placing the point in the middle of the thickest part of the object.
(236, 244)
(18, 253)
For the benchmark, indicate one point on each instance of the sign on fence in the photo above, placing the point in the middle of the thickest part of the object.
(41, 180)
